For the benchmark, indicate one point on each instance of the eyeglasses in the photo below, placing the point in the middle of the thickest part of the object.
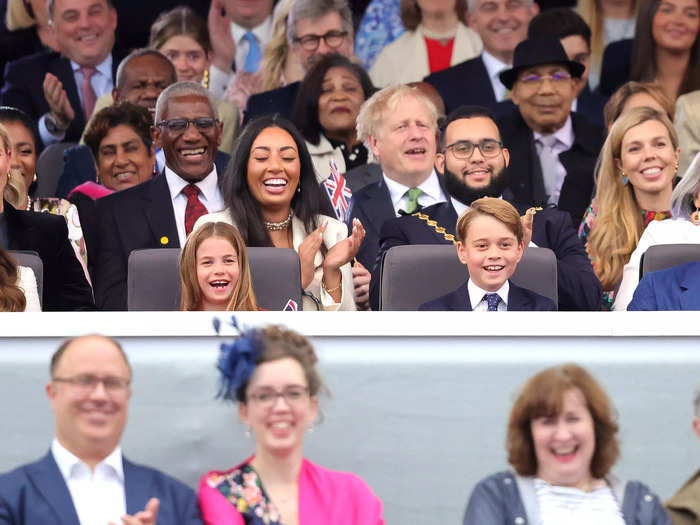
(332, 39)
(293, 396)
(557, 79)
(463, 149)
(85, 384)
(177, 125)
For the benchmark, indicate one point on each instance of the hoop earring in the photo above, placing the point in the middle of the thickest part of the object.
(695, 217)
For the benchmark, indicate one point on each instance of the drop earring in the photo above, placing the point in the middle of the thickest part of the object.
(625, 180)
(695, 217)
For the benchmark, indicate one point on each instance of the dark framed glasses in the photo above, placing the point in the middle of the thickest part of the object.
(463, 149)
(177, 125)
(332, 39)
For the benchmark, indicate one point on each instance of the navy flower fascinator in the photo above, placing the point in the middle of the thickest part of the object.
(238, 359)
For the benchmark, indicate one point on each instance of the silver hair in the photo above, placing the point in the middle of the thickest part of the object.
(683, 196)
(136, 53)
(314, 9)
(182, 89)
(471, 5)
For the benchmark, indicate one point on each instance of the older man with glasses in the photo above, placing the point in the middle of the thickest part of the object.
(314, 28)
(84, 479)
(161, 212)
(553, 151)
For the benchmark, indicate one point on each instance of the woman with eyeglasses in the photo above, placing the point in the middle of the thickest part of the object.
(273, 198)
(436, 38)
(562, 444)
(271, 374)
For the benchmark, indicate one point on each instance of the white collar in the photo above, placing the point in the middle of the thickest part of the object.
(67, 461)
(104, 67)
(476, 294)
(208, 185)
(564, 135)
(262, 32)
(430, 186)
(493, 65)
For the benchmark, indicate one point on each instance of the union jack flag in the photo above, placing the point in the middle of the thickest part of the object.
(338, 192)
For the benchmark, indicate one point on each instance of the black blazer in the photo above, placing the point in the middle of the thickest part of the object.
(465, 83)
(577, 285)
(280, 100)
(519, 300)
(527, 183)
(132, 219)
(24, 79)
(615, 68)
(65, 286)
(372, 205)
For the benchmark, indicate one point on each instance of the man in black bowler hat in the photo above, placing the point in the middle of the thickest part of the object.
(553, 151)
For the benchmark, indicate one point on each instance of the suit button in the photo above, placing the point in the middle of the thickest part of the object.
(507, 481)
(648, 497)
(519, 520)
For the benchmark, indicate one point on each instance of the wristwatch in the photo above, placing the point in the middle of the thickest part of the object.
(52, 126)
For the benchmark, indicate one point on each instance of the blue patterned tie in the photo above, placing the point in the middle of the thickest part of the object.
(492, 300)
(252, 61)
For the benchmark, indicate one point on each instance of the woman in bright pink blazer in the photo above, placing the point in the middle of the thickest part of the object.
(271, 374)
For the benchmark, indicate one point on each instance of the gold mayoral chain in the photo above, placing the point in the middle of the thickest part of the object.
(448, 236)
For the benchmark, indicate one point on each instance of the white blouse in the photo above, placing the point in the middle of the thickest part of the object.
(573, 506)
(26, 281)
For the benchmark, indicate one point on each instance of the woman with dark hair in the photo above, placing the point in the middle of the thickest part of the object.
(325, 111)
(436, 38)
(664, 49)
(562, 444)
(271, 375)
(273, 198)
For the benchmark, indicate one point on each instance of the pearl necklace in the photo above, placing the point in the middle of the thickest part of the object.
(278, 226)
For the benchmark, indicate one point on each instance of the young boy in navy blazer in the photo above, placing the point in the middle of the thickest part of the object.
(490, 243)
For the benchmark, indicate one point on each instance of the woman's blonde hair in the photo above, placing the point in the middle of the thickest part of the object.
(277, 48)
(242, 297)
(592, 12)
(12, 297)
(15, 189)
(618, 224)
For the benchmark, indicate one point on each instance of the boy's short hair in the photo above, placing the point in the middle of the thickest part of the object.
(499, 209)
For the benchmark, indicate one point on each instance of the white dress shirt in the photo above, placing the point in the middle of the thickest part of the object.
(98, 496)
(219, 80)
(209, 194)
(493, 68)
(432, 192)
(479, 304)
(102, 82)
(565, 139)
(559, 504)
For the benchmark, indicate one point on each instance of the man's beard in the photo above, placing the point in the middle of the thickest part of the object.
(458, 189)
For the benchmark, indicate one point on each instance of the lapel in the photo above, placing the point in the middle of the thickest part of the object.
(14, 225)
(458, 301)
(481, 78)
(376, 206)
(517, 300)
(62, 69)
(525, 170)
(49, 482)
(689, 295)
(137, 487)
(158, 208)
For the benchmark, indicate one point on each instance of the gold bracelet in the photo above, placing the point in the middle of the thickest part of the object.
(330, 292)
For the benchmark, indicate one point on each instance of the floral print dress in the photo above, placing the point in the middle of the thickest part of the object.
(243, 489)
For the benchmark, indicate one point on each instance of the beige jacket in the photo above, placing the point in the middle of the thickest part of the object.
(684, 507)
(687, 123)
(406, 59)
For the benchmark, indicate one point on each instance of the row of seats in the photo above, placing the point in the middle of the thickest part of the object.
(410, 276)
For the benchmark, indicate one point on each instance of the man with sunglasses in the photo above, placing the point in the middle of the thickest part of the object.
(314, 28)
(473, 162)
(553, 151)
(161, 212)
(84, 479)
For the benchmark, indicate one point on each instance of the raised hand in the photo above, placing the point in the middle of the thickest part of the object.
(222, 44)
(147, 516)
(57, 99)
(344, 251)
(307, 253)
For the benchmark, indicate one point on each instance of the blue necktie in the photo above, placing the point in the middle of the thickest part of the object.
(252, 61)
(492, 300)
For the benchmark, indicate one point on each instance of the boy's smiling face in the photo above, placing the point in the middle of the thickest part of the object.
(490, 251)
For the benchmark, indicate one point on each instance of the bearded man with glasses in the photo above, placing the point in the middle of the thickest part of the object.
(473, 164)
(161, 212)
(84, 479)
(553, 151)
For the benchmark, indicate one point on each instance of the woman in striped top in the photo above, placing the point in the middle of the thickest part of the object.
(562, 444)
